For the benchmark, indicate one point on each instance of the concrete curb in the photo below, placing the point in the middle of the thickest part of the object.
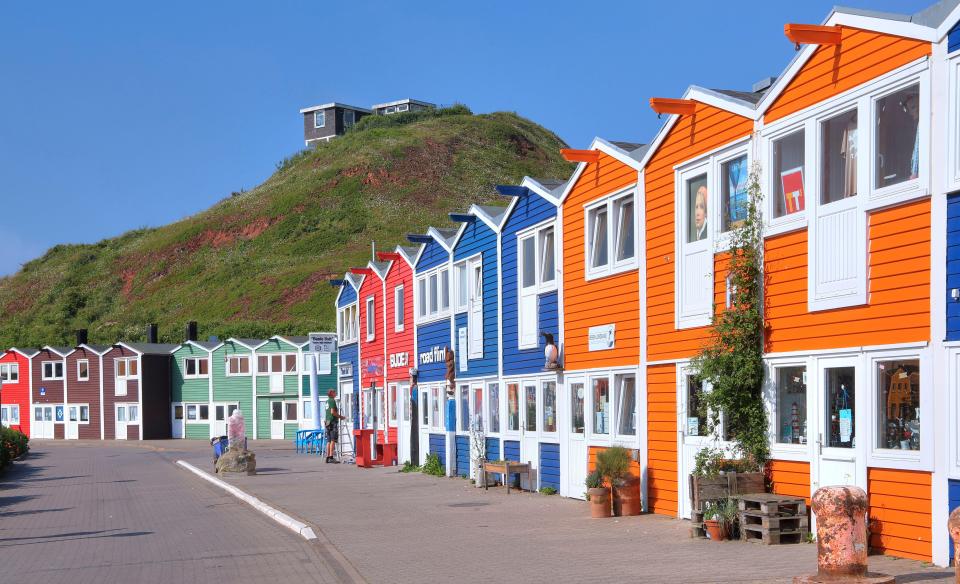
(302, 529)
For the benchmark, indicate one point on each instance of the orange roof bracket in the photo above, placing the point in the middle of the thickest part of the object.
(580, 155)
(812, 34)
(666, 105)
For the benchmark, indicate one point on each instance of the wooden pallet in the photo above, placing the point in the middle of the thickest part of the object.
(773, 505)
(768, 536)
(795, 522)
(697, 530)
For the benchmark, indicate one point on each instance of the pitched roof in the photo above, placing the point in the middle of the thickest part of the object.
(496, 212)
(549, 183)
(26, 352)
(748, 96)
(208, 345)
(152, 348)
(935, 14)
(250, 342)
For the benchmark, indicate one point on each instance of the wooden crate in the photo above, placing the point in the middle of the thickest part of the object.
(774, 522)
(769, 536)
(773, 505)
(730, 484)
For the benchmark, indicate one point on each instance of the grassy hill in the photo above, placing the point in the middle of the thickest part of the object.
(257, 263)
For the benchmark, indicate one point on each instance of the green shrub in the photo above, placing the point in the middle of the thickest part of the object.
(370, 122)
(433, 467)
(594, 480)
(409, 467)
(614, 464)
(12, 444)
(548, 491)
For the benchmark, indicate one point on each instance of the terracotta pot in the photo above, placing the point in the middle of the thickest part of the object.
(599, 502)
(626, 499)
(714, 530)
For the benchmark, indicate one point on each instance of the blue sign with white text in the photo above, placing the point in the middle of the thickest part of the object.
(59, 413)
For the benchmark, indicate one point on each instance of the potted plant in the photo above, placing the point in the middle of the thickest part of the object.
(598, 495)
(719, 517)
(614, 464)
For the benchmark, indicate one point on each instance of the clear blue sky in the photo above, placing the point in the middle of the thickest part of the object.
(118, 115)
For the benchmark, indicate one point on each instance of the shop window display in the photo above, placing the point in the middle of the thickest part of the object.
(898, 385)
(792, 405)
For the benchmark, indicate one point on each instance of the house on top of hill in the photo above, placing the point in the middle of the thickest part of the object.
(323, 122)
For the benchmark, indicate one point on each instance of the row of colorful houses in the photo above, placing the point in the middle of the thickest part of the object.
(623, 265)
(145, 391)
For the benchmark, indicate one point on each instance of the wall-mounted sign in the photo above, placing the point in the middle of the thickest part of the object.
(323, 342)
(601, 337)
(43, 391)
(373, 366)
(59, 414)
(462, 347)
(346, 369)
(399, 360)
(434, 355)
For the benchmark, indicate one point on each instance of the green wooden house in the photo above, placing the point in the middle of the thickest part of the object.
(278, 371)
(191, 390)
(232, 368)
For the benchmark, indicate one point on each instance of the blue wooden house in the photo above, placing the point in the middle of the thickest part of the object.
(433, 336)
(348, 354)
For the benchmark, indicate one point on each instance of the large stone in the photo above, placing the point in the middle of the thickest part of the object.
(237, 459)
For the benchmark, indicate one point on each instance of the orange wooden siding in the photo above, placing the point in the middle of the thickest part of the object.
(592, 462)
(900, 513)
(898, 309)
(662, 491)
(613, 299)
(831, 70)
(691, 137)
(790, 477)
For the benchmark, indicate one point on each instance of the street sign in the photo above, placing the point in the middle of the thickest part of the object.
(43, 391)
(323, 342)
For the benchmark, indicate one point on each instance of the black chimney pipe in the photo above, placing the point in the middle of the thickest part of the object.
(192, 330)
(81, 337)
(152, 333)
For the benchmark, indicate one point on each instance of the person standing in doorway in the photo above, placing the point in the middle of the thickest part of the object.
(332, 419)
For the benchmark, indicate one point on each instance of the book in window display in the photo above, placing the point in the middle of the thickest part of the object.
(793, 196)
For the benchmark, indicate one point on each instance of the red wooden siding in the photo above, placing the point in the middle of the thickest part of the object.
(900, 513)
(85, 392)
(662, 488)
(19, 393)
(109, 389)
(400, 273)
(898, 309)
(372, 286)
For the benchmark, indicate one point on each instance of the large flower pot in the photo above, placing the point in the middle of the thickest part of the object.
(626, 499)
(714, 530)
(599, 502)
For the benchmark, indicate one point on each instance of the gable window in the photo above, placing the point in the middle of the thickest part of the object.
(278, 363)
(444, 290)
(398, 315)
(601, 405)
(125, 369)
(696, 197)
(52, 370)
(838, 162)
(319, 119)
(9, 372)
(626, 400)
(194, 367)
(349, 118)
(461, 288)
(897, 140)
(371, 319)
(597, 228)
(433, 294)
(788, 174)
(475, 313)
(537, 275)
(733, 181)
(83, 370)
(611, 231)
(624, 234)
(547, 271)
(238, 364)
(347, 324)
(694, 258)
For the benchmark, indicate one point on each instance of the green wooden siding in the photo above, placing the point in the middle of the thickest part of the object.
(197, 431)
(232, 389)
(188, 390)
(291, 389)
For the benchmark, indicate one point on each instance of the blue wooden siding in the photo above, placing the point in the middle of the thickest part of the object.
(438, 446)
(429, 337)
(953, 493)
(530, 210)
(463, 456)
(347, 296)
(511, 450)
(348, 354)
(953, 38)
(433, 255)
(550, 465)
(477, 238)
(493, 449)
(953, 265)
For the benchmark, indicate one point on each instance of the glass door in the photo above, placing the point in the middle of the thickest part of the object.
(694, 435)
(836, 432)
(576, 455)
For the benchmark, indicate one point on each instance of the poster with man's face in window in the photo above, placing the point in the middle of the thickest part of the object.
(697, 206)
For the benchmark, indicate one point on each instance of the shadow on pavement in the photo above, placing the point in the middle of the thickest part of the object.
(31, 512)
(74, 535)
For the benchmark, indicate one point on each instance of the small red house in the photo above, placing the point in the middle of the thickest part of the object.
(370, 300)
(83, 417)
(48, 389)
(15, 389)
(136, 391)
(398, 333)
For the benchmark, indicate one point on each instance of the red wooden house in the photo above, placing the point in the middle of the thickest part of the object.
(47, 392)
(83, 417)
(370, 300)
(15, 391)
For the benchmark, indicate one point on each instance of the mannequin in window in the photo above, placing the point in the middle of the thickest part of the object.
(700, 214)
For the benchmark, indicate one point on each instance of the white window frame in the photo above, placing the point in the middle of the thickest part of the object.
(8, 371)
(877, 457)
(617, 404)
(541, 409)
(353, 118)
(403, 107)
(782, 450)
(52, 376)
(422, 304)
(197, 406)
(684, 317)
(612, 266)
(9, 409)
(237, 358)
(323, 115)
(283, 364)
(459, 287)
(953, 129)
(197, 374)
(79, 419)
(537, 233)
(347, 324)
(399, 312)
(87, 363)
(371, 323)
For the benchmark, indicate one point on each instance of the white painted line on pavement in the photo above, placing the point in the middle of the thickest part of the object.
(283, 519)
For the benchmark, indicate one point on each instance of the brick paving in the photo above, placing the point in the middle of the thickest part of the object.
(401, 528)
(94, 512)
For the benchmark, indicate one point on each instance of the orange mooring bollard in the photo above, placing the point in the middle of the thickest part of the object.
(841, 538)
(954, 524)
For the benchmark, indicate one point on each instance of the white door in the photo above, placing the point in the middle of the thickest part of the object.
(529, 432)
(42, 422)
(176, 420)
(122, 419)
(574, 471)
(404, 428)
(475, 317)
(218, 426)
(426, 409)
(693, 434)
(836, 424)
(276, 420)
(71, 426)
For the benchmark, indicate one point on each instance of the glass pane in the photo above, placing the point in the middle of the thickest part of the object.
(839, 158)
(424, 403)
(218, 413)
(392, 403)
(530, 401)
(122, 368)
(788, 175)
(601, 406)
(792, 405)
(897, 158)
(15, 414)
(598, 237)
(84, 413)
(276, 411)
(494, 406)
(134, 414)
(244, 363)
(433, 294)
(132, 367)
(624, 229)
(178, 412)
(696, 411)
(191, 412)
(626, 406)
(47, 414)
(435, 402)
(263, 363)
(204, 366)
(576, 402)
(841, 409)
(72, 413)
(84, 370)
(529, 258)
(398, 306)
(406, 403)
(547, 257)
(513, 406)
(291, 408)
(37, 414)
(204, 412)
(276, 363)
(291, 363)
(464, 399)
(463, 289)
(898, 385)
(422, 296)
(733, 177)
(444, 290)
(121, 414)
(307, 410)
(3, 415)
(59, 368)
(478, 408)
(550, 406)
(697, 228)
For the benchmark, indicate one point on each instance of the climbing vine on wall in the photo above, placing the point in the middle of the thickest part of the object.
(732, 360)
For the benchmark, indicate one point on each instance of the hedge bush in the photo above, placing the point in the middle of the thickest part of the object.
(12, 444)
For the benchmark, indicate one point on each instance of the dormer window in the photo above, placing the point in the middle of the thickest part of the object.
(611, 235)
(319, 119)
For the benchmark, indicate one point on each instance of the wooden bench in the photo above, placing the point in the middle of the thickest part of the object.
(506, 468)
